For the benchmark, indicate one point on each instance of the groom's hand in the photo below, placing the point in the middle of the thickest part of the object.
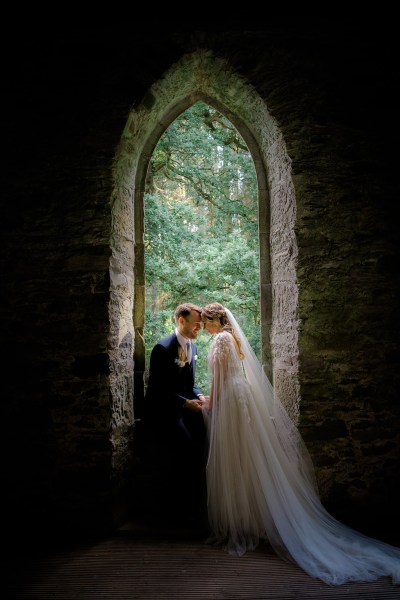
(195, 405)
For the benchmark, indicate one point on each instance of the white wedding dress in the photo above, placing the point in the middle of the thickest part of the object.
(260, 478)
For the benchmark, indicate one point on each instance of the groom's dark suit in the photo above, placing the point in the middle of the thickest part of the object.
(180, 431)
(170, 384)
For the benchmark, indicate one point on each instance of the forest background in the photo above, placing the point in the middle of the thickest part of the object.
(201, 228)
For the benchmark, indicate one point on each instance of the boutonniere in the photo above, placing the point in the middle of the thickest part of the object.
(181, 360)
(195, 357)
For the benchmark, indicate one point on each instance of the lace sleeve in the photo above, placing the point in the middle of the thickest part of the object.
(219, 357)
(221, 348)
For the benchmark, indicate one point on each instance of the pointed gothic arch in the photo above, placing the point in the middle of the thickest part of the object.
(202, 76)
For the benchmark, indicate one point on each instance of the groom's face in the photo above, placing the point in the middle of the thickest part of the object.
(190, 326)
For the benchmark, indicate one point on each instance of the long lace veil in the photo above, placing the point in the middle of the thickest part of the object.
(297, 524)
(286, 430)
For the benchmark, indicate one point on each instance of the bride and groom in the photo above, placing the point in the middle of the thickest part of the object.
(259, 476)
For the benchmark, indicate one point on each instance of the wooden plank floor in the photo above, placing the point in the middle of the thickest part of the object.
(132, 565)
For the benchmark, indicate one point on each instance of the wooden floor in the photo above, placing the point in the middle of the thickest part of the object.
(137, 564)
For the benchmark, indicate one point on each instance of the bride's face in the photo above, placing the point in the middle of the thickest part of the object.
(212, 327)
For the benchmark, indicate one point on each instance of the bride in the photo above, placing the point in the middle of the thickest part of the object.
(260, 478)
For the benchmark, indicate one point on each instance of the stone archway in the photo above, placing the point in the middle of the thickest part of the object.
(202, 76)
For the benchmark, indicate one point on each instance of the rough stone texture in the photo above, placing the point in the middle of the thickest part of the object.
(317, 102)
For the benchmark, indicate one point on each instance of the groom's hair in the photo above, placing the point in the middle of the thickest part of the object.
(184, 310)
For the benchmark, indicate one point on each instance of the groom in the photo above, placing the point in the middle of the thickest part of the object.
(173, 409)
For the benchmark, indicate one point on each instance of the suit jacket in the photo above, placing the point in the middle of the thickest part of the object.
(169, 384)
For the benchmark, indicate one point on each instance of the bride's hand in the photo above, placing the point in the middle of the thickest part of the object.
(206, 402)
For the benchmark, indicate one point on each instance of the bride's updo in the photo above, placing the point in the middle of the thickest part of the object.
(217, 313)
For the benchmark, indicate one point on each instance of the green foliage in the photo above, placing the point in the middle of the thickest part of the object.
(201, 236)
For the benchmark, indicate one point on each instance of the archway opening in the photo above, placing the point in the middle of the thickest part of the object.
(201, 77)
(201, 229)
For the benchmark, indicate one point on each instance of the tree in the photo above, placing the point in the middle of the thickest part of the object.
(201, 225)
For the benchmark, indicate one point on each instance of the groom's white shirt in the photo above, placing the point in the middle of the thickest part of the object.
(183, 341)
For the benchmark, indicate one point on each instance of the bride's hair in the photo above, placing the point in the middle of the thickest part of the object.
(216, 312)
